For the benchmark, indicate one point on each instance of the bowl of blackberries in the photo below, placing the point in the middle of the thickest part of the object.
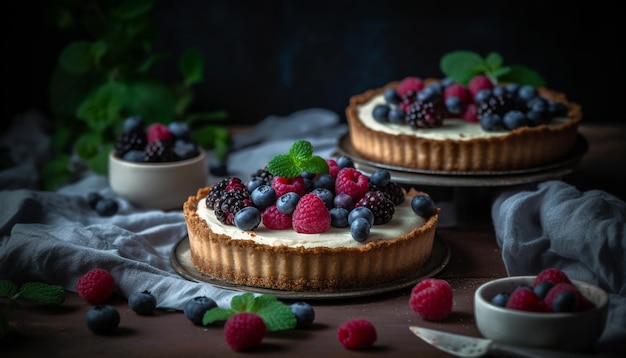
(157, 165)
(549, 310)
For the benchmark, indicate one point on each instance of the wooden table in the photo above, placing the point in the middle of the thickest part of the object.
(475, 258)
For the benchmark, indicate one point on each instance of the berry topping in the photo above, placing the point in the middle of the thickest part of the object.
(379, 203)
(357, 334)
(229, 203)
(426, 114)
(283, 185)
(478, 83)
(96, 286)
(102, 319)
(244, 331)
(360, 229)
(247, 218)
(352, 182)
(274, 219)
(196, 307)
(431, 298)
(142, 302)
(410, 84)
(423, 205)
(311, 215)
(263, 196)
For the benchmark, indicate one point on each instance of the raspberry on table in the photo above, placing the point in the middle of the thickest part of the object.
(553, 275)
(431, 298)
(357, 334)
(524, 298)
(352, 182)
(96, 286)
(311, 215)
(244, 331)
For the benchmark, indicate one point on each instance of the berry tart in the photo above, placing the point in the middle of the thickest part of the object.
(482, 117)
(304, 223)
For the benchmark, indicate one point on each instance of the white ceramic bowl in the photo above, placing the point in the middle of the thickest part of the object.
(563, 331)
(164, 186)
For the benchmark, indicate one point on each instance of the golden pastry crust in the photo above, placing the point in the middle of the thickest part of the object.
(521, 148)
(320, 269)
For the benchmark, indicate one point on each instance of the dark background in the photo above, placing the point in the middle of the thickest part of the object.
(276, 57)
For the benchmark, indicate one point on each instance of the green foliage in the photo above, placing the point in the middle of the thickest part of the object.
(276, 315)
(462, 66)
(299, 159)
(104, 78)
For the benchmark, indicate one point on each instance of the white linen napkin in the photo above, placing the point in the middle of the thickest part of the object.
(553, 224)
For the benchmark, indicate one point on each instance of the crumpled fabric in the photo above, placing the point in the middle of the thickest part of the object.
(553, 224)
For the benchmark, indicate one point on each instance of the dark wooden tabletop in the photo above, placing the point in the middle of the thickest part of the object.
(474, 259)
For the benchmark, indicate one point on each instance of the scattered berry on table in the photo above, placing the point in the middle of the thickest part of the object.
(432, 299)
(142, 302)
(304, 312)
(106, 207)
(102, 319)
(196, 307)
(93, 198)
(357, 334)
(244, 331)
(96, 286)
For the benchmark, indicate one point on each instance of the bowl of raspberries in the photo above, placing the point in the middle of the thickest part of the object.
(156, 165)
(549, 310)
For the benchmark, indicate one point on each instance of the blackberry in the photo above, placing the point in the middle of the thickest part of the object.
(380, 204)
(229, 203)
(159, 151)
(499, 104)
(392, 189)
(219, 188)
(426, 114)
(264, 175)
(133, 140)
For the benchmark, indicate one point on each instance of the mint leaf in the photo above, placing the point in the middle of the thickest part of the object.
(299, 159)
(242, 303)
(276, 315)
(77, 57)
(462, 66)
(301, 150)
(217, 314)
(191, 66)
(316, 165)
(7, 289)
(524, 76)
(494, 61)
(43, 292)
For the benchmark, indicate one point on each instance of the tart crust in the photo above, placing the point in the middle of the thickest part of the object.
(320, 269)
(521, 148)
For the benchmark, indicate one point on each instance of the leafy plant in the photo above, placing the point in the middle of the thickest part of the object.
(100, 81)
(462, 66)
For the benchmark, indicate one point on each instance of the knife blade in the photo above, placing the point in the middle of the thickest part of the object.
(467, 347)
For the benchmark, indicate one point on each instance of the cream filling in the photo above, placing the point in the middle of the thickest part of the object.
(404, 221)
(453, 128)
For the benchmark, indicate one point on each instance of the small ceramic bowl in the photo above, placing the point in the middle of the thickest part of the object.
(563, 331)
(164, 186)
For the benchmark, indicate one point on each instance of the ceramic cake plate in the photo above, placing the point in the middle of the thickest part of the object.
(403, 175)
(439, 258)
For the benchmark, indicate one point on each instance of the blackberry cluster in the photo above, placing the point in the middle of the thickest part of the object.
(229, 203)
(159, 151)
(497, 103)
(392, 189)
(426, 114)
(263, 174)
(220, 188)
(132, 140)
(380, 204)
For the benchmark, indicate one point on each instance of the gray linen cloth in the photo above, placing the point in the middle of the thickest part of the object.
(553, 224)
(56, 237)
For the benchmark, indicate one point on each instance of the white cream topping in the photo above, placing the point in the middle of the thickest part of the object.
(404, 221)
(453, 128)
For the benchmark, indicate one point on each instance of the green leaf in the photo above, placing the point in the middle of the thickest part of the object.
(300, 158)
(146, 65)
(88, 144)
(524, 76)
(462, 66)
(284, 166)
(494, 61)
(150, 99)
(7, 289)
(191, 66)
(43, 292)
(276, 315)
(101, 109)
(99, 162)
(217, 314)
(131, 9)
(316, 165)
(243, 302)
(301, 150)
(77, 57)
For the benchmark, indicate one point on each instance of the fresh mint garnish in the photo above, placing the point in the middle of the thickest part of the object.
(299, 159)
(276, 315)
(461, 66)
(34, 291)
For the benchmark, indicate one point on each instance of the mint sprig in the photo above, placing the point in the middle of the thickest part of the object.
(34, 291)
(299, 159)
(276, 315)
(461, 66)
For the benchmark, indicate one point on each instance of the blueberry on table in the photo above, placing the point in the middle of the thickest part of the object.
(304, 312)
(196, 307)
(142, 302)
(102, 319)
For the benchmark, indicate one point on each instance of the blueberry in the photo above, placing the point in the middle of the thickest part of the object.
(423, 205)
(361, 212)
(263, 196)
(557, 109)
(345, 162)
(343, 200)
(499, 91)
(180, 130)
(447, 82)
(542, 288)
(454, 105)
(326, 195)
(304, 312)
(308, 175)
(482, 95)
(134, 155)
(537, 104)
(491, 122)
(142, 302)
(513, 88)
(247, 218)
(392, 96)
(514, 119)
(380, 177)
(500, 299)
(102, 319)
(185, 149)
(396, 115)
(381, 113)
(106, 207)
(287, 202)
(324, 181)
(93, 198)
(535, 118)
(134, 123)
(429, 93)
(360, 229)
(254, 183)
(526, 92)
(196, 307)
(565, 301)
(338, 217)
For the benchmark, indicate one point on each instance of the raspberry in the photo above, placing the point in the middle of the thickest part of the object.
(273, 219)
(284, 185)
(410, 84)
(96, 286)
(352, 182)
(431, 298)
(357, 334)
(552, 275)
(460, 91)
(478, 83)
(158, 131)
(311, 215)
(471, 113)
(333, 167)
(582, 302)
(525, 299)
(244, 331)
